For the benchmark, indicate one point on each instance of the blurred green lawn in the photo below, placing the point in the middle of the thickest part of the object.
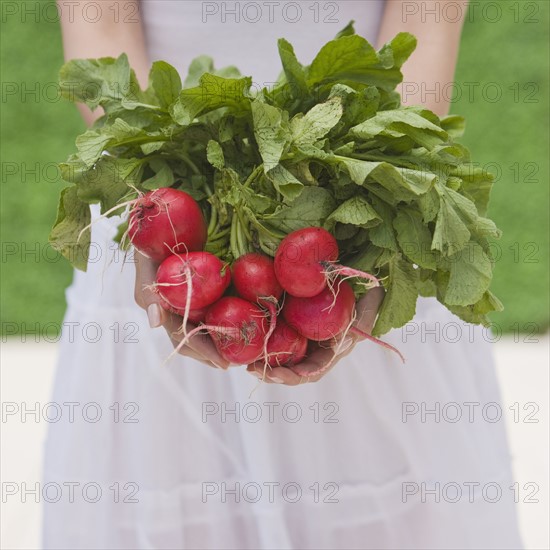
(510, 134)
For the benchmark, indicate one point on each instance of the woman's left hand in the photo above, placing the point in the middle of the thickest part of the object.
(323, 359)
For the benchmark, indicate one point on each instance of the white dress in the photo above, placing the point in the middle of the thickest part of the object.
(182, 456)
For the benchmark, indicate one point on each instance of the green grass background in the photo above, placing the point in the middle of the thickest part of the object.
(514, 129)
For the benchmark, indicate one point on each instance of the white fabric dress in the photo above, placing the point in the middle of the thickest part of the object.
(343, 463)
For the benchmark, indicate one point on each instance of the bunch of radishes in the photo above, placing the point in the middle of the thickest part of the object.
(259, 308)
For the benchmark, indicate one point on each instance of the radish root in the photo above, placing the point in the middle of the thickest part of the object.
(270, 303)
(368, 336)
(333, 270)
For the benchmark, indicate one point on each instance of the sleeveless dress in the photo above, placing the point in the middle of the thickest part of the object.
(375, 455)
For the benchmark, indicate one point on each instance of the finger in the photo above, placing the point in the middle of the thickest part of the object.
(188, 352)
(204, 346)
(146, 272)
(199, 347)
(200, 344)
(367, 309)
(316, 363)
(276, 375)
(345, 347)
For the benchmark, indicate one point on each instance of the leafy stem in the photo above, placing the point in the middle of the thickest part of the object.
(189, 163)
(139, 140)
(401, 163)
(220, 235)
(213, 224)
(243, 225)
(241, 239)
(253, 175)
(233, 244)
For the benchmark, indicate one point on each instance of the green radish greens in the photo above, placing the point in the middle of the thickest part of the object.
(328, 145)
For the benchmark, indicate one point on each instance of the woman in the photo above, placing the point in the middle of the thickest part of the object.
(181, 456)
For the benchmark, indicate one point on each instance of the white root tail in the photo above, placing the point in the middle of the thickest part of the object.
(334, 270)
(368, 336)
(270, 304)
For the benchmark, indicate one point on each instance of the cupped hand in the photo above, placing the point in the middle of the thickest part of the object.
(200, 346)
(323, 358)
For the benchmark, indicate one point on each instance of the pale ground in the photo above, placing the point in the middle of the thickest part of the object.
(27, 375)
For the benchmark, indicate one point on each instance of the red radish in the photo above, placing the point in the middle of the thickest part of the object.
(324, 316)
(208, 275)
(254, 280)
(306, 259)
(196, 316)
(286, 347)
(298, 261)
(328, 315)
(254, 277)
(238, 329)
(166, 221)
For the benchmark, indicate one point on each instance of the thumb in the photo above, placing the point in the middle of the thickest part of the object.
(367, 309)
(144, 294)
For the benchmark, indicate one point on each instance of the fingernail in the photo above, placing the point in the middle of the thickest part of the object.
(153, 314)
(255, 373)
(275, 379)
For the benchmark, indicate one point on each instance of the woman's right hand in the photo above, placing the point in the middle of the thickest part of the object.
(200, 346)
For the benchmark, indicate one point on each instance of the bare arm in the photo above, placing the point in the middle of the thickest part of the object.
(103, 38)
(107, 38)
(432, 65)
